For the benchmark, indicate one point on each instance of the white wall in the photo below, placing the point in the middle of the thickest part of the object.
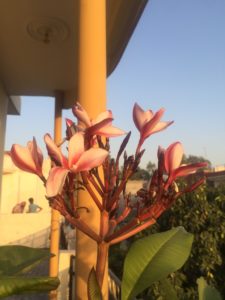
(19, 186)
(25, 229)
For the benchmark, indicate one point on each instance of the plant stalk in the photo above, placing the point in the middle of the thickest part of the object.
(102, 257)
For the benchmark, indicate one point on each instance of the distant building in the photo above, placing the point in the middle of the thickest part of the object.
(216, 177)
(219, 168)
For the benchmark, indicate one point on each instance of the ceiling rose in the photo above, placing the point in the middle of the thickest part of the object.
(48, 30)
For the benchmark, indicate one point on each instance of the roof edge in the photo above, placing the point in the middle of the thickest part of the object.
(118, 37)
(14, 105)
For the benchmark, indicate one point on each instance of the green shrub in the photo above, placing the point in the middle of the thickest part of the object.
(203, 214)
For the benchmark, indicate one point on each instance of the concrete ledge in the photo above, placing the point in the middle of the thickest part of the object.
(25, 229)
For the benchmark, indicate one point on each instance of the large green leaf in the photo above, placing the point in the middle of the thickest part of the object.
(207, 292)
(21, 285)
(167, 290)
(153, 258)
(19, 259)
(94, 291)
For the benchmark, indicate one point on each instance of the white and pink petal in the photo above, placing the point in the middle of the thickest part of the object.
(22, 158)
(189, 169)
(140, 116)
(53, 151)
(161, 126)
(102, 116)
(110, 131)
(95, 128)
(90, 159)
(148, 127)
(36, 154)
(81, 114)
(173, 156)
(75, 148)
(55, 181)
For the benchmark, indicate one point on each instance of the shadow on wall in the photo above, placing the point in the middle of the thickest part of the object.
(39, 239)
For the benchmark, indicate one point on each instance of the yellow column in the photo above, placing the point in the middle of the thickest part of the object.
(55, 216)
(92, 96)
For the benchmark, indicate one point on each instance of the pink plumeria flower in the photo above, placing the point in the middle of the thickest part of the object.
(29, 158)
(172, 163)
(148, 123)
(54, 151)
(78, 160)
(102, 125)
(70, 128)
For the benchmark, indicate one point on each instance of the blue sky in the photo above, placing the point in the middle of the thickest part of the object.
(175, 60)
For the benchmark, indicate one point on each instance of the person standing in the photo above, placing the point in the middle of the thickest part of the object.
(33, 208)
(19, 208)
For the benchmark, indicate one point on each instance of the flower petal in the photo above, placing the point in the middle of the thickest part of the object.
(140, 116)
(102, 116)
(81, 114)
(76, 148)
(55, 181)
(97, 127)
(69, 122)
(148, 128)
(91, 158)
(161, 126)
(53, 151)
(110, 131)
(71, 128)
(173, 157)
(22, 158)
(188, 169)
(36, 155)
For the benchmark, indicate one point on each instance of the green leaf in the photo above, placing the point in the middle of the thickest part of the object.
(167, 290)
(207, 292)
(19, 259)
(153, 258)
(21, 285)
(94, 291)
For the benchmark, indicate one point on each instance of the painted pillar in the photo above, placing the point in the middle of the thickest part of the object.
(3, 115)
(92, 96)
(55, 216)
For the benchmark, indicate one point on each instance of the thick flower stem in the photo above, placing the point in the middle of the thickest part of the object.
(96, 186)
(138, 149)
(77, 222)
(132, 232)
(82, 226)
(123, 230)
(90, 191)
(118, 191)
(102, 257)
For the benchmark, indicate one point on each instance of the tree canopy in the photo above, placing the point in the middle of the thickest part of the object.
(191, 159)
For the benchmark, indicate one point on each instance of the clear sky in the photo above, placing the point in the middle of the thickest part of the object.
(175, 60)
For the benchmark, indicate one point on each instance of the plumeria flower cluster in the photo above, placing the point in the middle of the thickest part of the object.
(162, 190)
(88, 148)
